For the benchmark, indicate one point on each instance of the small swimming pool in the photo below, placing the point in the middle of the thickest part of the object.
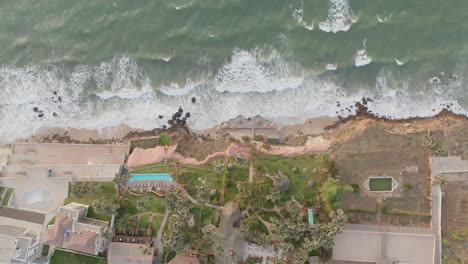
(150, 177)
(380, 184)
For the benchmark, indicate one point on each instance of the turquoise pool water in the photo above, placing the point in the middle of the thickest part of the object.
(150, 177)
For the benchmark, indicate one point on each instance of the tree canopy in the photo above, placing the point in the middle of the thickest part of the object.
(332, 192)
(176, 202)
(81, 189)
(164, 140)
(105, 206)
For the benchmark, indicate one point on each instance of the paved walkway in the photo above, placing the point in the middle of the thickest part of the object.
(449, 166)
(158, 244)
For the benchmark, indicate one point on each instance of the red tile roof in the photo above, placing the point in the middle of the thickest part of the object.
(82, 242)
(55, 235)
(184, 260)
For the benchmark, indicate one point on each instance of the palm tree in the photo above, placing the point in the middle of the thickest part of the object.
(121, 200)
(179, 171)
(125, 222)
(323, 160)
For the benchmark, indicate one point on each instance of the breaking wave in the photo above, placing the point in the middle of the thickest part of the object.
(340, 17)
(362, 58)
(252, 82)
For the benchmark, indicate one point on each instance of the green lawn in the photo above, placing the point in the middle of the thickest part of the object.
(144, 221)
(144, 143)
(380, 184)
(45, 250)
(299, 187)
(156, 204)
(61, 257)
(108, 191)
(155, 225)
(8, 194)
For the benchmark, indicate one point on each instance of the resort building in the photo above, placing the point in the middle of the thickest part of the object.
(384, 244)
(17, 245)
(40, 173)
(20, 235)
(130, 253)
(153, 181)
(72, 230)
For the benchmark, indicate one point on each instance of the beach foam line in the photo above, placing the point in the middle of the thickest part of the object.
(134, 102)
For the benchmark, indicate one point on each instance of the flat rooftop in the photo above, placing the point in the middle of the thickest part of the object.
(369, 246)
(23, 215)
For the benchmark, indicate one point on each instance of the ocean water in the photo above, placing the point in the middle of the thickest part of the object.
(117, 62)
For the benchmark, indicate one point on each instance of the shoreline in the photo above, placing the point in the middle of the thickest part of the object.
(312, 126)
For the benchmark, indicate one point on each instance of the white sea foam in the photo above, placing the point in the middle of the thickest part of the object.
(399, 62)
(257, 71)
(361, 58)
(298, 15)
(180, 4)
(331, 67)
(138, 104)
(340, 17)
(384, 18)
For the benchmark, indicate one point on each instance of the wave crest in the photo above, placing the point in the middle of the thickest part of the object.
(340, 17)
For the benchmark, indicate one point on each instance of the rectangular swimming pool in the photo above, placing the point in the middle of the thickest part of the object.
(150, 177)
(380, 184)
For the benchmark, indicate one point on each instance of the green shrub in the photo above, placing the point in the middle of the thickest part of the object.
(356, 188)
(409, 186)
(164, 140)
(259, 138)
(246, 138)
(460, 236)
(266, 146)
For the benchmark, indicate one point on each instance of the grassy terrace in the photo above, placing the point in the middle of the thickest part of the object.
(299, 187)
(192, 173)
(61, 257)
(108, 190)
(7, 196)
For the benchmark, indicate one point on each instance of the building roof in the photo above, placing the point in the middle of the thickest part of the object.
(23, 243)
(373, 246)
(13, 241)
(184, 260)
(23, 215)
(82, 242)
(129, 253)
(55, 235)
(7, 245)
(74, 231)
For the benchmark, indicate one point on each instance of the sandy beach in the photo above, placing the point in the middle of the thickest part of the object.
(311, 127)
